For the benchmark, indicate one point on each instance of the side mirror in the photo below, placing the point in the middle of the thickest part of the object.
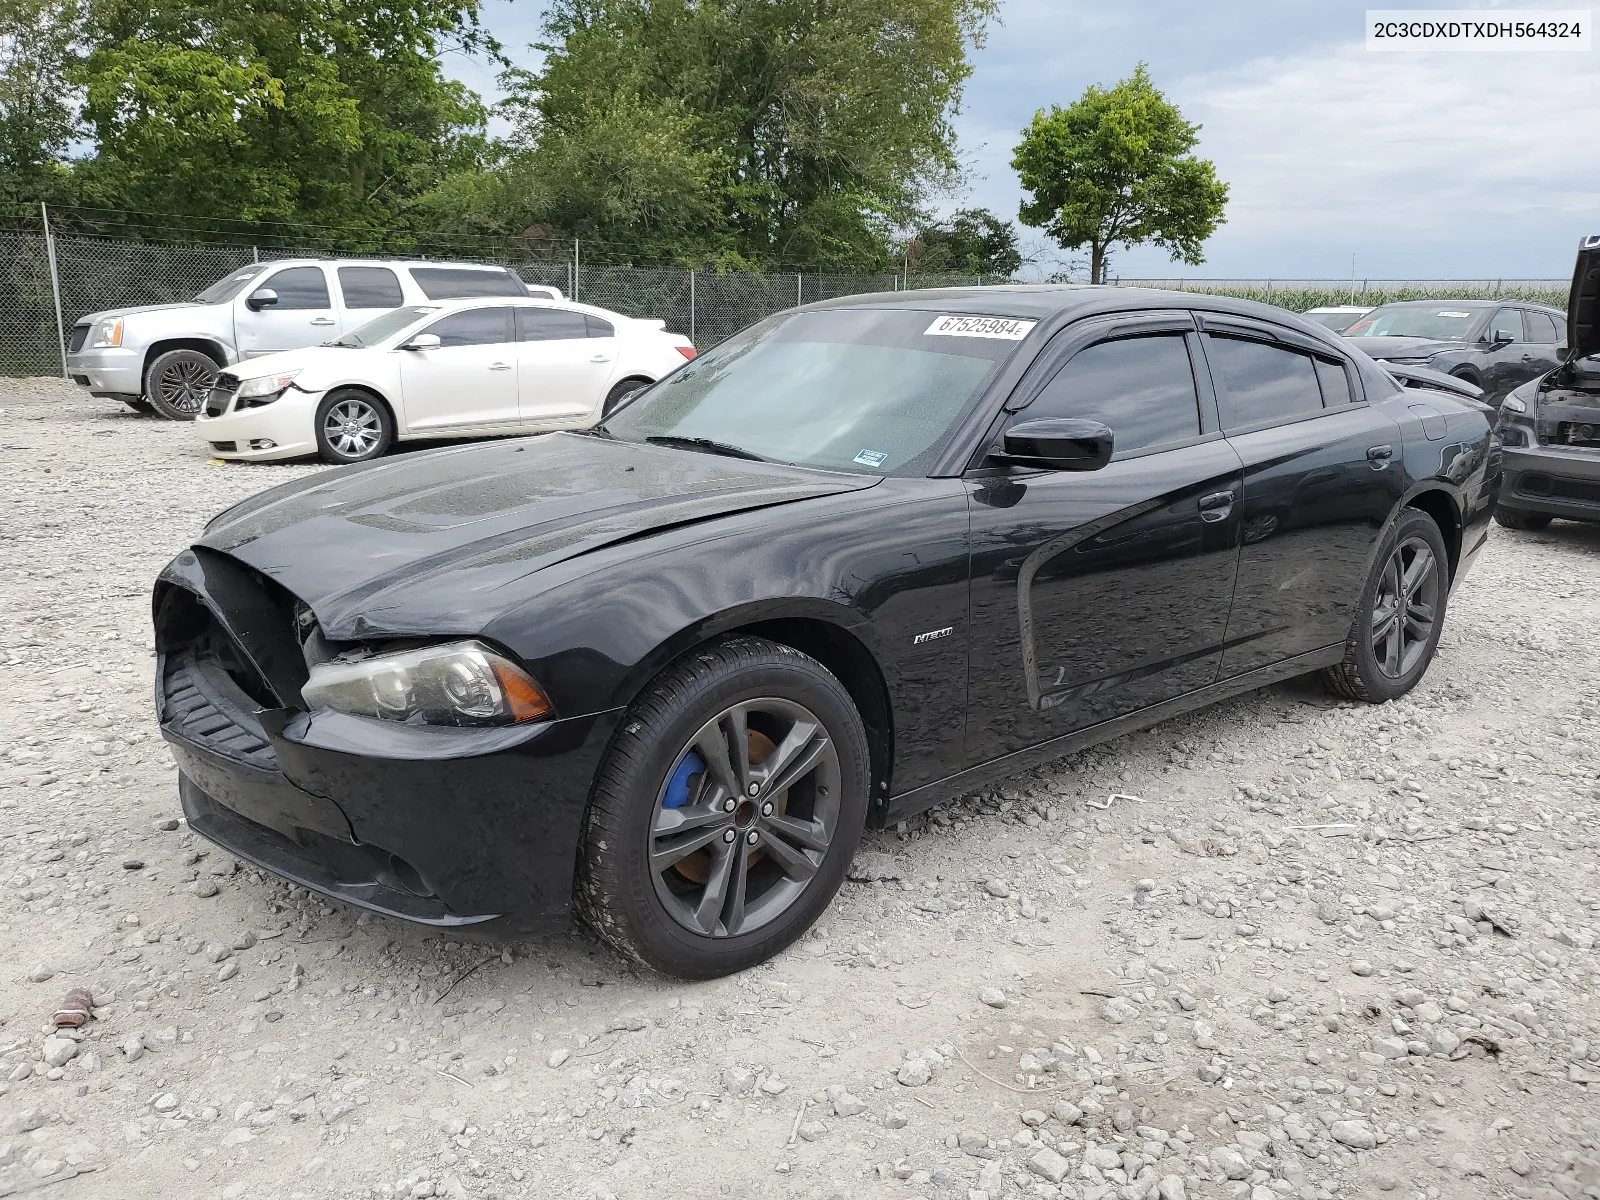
(261, 298)
(1062, 444)
(423, 341)
(1501, 337)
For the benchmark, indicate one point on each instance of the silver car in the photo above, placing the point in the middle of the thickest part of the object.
(165, 356)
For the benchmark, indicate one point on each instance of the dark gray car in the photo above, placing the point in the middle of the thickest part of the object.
(1495, 345)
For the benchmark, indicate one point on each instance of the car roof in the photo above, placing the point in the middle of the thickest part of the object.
(1544, 308)
(1355, 308)
(385, 262)
(458, 303)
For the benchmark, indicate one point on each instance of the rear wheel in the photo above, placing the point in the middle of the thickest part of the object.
(1522, 520)
(352, 426)
(1401, 615)
(177, 383)
(727, 810)
(619, 394)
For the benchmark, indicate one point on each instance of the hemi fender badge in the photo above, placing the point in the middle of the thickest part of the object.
(933, 635)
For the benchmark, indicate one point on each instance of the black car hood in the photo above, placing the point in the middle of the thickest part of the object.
(1583, 303)
(1404, 347)
(428, 543)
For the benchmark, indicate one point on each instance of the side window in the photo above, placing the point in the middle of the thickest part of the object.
(370, 287)
(599, 328)
(456, 283)
(1261, 382)
(1506, 326)
(1561, 330)
(1540, 327)
(1335, 383)
(550, 325)
(298, 288)
(475, 327)
(1141, 388)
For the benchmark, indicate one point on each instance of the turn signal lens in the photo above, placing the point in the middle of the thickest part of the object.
(687, 351)
(462, 683)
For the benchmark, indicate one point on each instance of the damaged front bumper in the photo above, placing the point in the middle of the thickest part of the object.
(1555, 481)
(443, 826)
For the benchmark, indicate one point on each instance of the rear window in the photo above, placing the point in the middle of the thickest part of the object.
(455, 283)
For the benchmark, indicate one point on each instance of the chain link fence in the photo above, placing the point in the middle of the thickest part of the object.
(89, 274)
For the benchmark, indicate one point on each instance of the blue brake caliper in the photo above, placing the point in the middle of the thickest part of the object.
(690, 765)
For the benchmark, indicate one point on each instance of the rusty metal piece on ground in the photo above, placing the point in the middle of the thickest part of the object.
(75, 1010)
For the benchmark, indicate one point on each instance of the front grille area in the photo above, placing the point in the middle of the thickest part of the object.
(196, 705)
(79, 335)
(1538, 484)
(221, 395)
(1574, 433)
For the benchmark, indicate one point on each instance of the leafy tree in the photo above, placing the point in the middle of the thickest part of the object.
(38, 116)
(973, 240)
(304, 110)
(1115, 167)
(782, 131)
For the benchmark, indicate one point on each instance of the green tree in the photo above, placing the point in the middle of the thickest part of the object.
(1115, 167)
(38, 113)
(284, 110)
(973, 240)
(783, 131)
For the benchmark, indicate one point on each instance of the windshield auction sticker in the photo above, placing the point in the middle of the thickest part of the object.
(1005, 328)
(1478, 29)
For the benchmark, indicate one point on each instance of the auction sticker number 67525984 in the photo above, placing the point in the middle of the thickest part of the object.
(981, 327)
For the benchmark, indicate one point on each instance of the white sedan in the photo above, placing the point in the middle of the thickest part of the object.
(461, 368)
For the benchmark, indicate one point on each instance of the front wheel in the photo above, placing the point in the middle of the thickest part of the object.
(352, 427)
(177, 383)
(727, 810)
(1522, 520)
(1400, 617)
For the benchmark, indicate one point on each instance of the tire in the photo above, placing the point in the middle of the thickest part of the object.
(177, 382)
(1522, 520)
(353, 426)
(1362, 675)
(139, 405)
(619, 394)
(675, 917)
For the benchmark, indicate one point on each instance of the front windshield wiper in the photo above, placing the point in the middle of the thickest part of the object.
(706, 445)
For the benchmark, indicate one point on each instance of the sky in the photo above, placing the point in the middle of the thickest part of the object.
(1419, 165)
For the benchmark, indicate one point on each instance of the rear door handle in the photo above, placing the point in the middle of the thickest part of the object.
(1527, 358)
(1216, 506)
(1379, 456)
(598, 358)
(499, 366)
(322, 320)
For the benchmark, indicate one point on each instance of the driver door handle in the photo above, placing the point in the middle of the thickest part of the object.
(322, 320)
(1216, 506)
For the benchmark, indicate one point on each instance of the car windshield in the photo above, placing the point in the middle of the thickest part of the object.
(227, 288)
(855, 389)
(1336, 321)
(379, 328)
(1443, 322)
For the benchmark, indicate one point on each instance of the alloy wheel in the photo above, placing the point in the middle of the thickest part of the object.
(352, 427)
(183, 385)
(1403, 609)
(745, 817)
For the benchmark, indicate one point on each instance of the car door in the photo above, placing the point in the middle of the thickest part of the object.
(565, 359)
(469, 379)
(1502, 356)
(301, 315)
(1097, 593)
(1322, 472)
(1545, 344)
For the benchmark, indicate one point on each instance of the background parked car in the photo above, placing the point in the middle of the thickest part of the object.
(1549, 429)
(1337, 317)
(165, 356)
(459, 369)
(1495, 345)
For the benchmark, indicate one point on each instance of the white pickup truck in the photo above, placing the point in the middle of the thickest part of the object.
(165, 356)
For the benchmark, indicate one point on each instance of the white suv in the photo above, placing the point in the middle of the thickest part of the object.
(165, 356)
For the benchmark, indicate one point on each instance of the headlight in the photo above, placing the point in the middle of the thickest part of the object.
(267, 385)
(107, 333)
(1512, 405)
(463, 683)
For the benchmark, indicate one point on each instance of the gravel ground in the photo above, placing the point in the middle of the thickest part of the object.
(1313, 949)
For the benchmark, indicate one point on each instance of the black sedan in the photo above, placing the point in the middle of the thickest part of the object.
(1550, 428)
(1493, 345)
(861, 558)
